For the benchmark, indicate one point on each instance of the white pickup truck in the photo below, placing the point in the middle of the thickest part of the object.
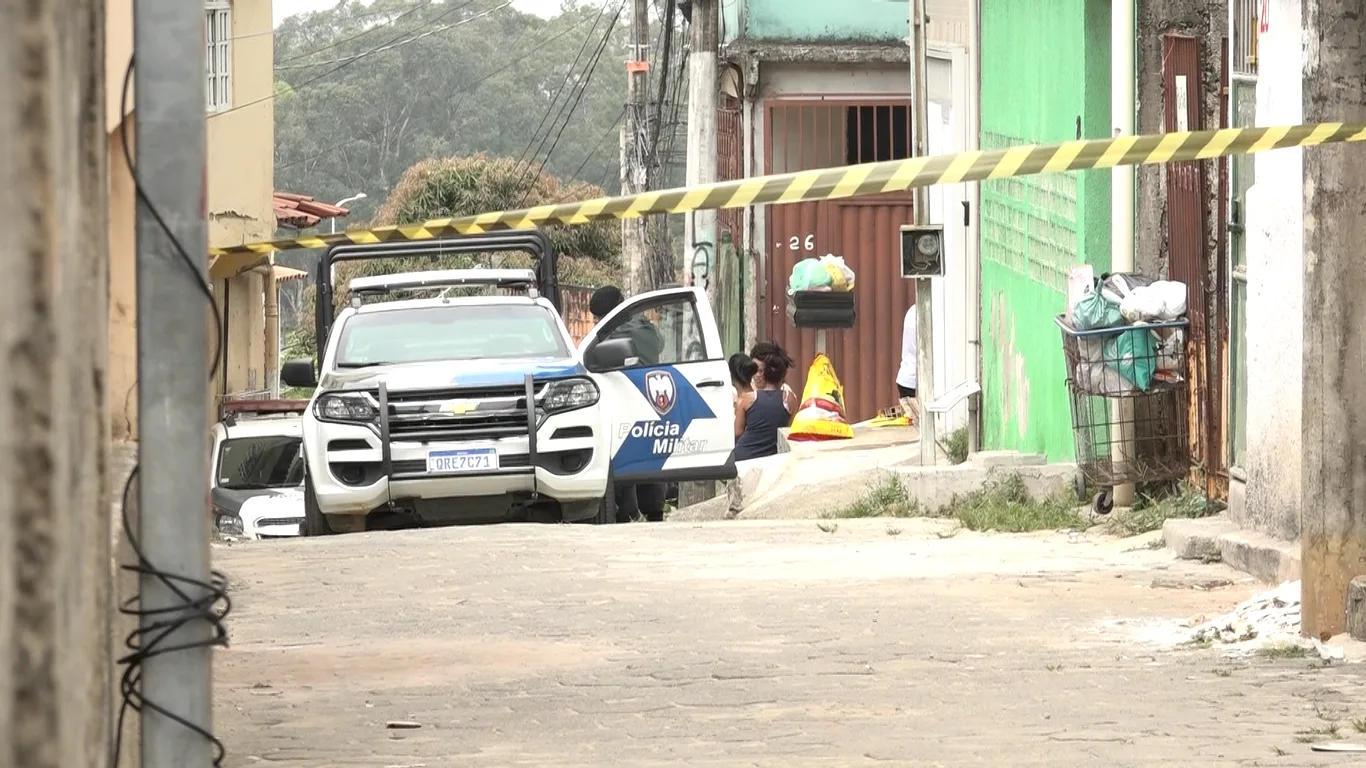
(468, 409)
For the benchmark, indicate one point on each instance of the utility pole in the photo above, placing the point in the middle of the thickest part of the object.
(173, 411)
(1333, 483)
(700, 227)
(1123, 78)
(635, 145)
(924, 286)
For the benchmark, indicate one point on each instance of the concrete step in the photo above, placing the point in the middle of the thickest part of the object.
(1269, 560)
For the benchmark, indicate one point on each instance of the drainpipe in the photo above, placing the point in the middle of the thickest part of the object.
(1122, 107)
(272, 289)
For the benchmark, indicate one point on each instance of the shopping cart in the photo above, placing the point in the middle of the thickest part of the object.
(1129, 390)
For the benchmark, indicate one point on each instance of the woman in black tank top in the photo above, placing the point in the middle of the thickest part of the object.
(764, 409)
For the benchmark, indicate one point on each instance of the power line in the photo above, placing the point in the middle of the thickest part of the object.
(516, 60)
(392, 45)
(386, 47)
(594, 151)
(363, 32)
(556, 97)
(588, 78)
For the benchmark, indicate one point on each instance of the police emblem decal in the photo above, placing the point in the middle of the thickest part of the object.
(660, 390)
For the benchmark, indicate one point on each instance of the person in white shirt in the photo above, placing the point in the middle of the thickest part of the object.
(905, 376)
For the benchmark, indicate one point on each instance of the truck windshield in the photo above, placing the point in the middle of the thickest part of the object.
(263, 461)
(449, 332)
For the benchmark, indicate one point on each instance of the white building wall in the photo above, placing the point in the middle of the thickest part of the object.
(1275, 264)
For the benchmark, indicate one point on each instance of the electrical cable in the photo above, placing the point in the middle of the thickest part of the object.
(414, 38)
(211, 604)
(569, 72)
(392, 44)
(586, 80)
(358, 35)
(594, 151)
(471, 88)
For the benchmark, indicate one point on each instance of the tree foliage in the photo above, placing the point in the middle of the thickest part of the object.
(366, 91)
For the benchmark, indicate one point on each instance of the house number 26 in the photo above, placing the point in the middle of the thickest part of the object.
(798, 244)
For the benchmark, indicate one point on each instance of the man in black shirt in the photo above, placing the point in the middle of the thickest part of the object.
(642, 498)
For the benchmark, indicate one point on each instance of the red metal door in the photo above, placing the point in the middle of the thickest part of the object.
(805, 135)
(1191, 259)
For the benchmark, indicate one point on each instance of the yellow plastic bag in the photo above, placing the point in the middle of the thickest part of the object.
(821, 415)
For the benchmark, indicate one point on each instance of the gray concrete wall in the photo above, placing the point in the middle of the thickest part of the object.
(1207, 20)
(56, 693)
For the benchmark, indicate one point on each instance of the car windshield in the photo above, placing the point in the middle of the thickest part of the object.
(449, 332)
(265, 461)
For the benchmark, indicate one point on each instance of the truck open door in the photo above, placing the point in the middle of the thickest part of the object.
(658, 360)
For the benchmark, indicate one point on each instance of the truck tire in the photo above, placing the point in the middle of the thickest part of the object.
(607, 508)
(315, 522)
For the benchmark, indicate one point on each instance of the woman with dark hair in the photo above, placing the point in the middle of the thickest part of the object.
(767, 407)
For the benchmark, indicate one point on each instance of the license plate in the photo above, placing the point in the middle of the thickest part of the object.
(467, 460)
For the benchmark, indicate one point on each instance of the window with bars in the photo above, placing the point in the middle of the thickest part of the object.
(218, 55)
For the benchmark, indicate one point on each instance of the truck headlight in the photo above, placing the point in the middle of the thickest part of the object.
(227, 523)
(347, 407)
(567, 395)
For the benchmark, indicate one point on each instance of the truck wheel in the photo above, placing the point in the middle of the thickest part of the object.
(607, 514)
(315, 522)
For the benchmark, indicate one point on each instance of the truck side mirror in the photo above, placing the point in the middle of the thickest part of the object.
(299, 373)
(610, 355)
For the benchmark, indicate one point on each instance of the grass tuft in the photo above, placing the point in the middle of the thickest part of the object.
(1004, 504)
(1157, 506)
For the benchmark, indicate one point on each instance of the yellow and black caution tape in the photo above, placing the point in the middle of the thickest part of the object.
(855, 180)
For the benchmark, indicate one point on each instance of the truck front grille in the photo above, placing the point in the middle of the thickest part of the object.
(458, 415)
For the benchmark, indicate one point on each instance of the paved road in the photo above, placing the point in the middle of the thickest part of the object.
(741, 644)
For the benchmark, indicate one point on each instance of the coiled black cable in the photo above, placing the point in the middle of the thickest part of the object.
(199, 601)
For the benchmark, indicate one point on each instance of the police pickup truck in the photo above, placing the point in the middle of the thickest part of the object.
(463, 408)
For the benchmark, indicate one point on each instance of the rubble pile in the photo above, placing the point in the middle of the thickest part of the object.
(1269, 616)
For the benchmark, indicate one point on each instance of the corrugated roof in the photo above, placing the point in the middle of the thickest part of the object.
(301, 211)
(287, 273)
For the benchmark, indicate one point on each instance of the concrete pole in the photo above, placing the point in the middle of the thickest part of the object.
(1122, 107)
(1333, 470)
(924, 287)
(700, 226)
(172, 368)
(635, 160)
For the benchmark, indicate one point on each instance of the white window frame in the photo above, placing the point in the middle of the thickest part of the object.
(217, 55)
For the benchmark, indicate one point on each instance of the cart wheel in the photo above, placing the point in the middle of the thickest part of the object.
(1104, 502)
(1079, 486)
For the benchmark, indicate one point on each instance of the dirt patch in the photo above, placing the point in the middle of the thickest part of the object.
(402, 663)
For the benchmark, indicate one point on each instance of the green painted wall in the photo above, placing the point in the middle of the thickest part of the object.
(1045, 66)
(816, 21)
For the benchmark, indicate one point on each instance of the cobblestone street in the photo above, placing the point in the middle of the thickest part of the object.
(778, 643)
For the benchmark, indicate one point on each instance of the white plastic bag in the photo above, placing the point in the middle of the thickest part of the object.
(1101, 379)
(1162, 301)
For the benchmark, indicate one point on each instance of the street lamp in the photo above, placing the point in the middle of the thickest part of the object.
(342, 204)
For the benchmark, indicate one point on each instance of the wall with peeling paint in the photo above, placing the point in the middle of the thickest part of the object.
(1270, 501)
(1035, 229)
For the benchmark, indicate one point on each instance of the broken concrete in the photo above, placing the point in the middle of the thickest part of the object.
(1356, 608)
(1269, 560)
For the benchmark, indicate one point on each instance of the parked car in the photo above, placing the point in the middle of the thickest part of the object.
(257, 469)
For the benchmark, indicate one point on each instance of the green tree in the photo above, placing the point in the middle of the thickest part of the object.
(365, 92)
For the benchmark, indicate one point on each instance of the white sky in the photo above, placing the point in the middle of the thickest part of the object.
(287, 8)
